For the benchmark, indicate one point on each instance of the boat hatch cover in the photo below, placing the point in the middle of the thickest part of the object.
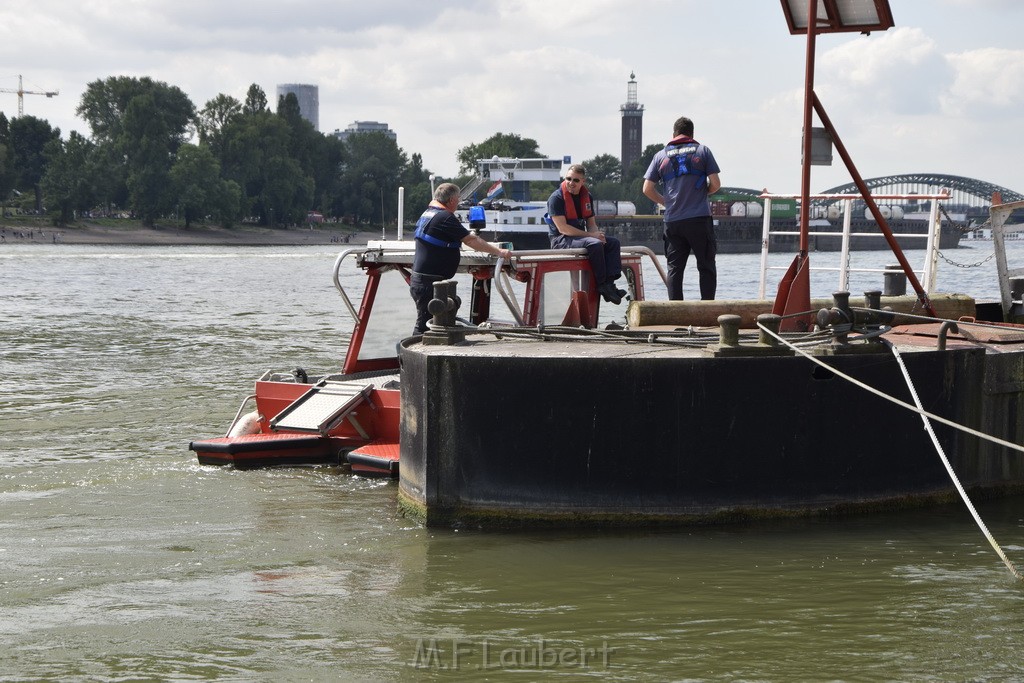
(323, 407)
(991, 333)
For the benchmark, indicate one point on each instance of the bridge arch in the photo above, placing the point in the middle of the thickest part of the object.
(969, 196)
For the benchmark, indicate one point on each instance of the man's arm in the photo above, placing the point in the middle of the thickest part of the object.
(714, 184)
(480, 244)
(564, 228)
(651, 192)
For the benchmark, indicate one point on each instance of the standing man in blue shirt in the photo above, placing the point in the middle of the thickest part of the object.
(688, 172)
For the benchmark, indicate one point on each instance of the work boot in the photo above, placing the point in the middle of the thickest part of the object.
(611, 294)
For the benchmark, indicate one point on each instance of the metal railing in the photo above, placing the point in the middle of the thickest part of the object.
(998, 214)
(844, 269)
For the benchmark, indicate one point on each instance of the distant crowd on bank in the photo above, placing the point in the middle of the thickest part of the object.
(30, 235)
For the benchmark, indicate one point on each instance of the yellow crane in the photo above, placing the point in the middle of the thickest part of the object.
(22, 92)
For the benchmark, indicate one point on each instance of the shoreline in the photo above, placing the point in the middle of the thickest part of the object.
(203, 235)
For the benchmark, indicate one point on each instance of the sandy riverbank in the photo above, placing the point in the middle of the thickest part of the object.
(84, 233)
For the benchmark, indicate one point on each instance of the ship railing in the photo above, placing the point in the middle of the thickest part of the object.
(401, 253)
(998, 214)
(472, 186)
(844, 269)
(337, 279)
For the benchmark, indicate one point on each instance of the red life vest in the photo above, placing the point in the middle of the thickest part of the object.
(570, 205)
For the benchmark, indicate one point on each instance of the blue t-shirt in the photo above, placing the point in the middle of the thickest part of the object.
(686, 196)
(434, 260)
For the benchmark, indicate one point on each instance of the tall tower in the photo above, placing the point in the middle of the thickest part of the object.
(308, 97)
(632, 127)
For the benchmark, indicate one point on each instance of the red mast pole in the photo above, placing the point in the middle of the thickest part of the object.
(805, 167)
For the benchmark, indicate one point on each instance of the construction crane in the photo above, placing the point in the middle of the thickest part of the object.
(22, 92)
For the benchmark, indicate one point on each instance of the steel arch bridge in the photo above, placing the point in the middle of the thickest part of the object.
(969, 195)
(966, 192)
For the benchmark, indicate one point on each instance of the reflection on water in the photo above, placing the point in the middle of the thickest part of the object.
(124, 559)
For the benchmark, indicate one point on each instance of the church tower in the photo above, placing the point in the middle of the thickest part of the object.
(632, 127)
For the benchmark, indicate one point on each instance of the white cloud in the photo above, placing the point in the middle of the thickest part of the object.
(988, 82)
(447, 74)
(899, 71)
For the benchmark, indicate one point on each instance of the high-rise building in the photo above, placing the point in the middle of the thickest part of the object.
(308, 97)
(632, 127)
(365, 127)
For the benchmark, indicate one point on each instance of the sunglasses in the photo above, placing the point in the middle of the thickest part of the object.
(574, 180)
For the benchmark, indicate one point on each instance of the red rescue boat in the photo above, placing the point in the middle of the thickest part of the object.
(352, 417)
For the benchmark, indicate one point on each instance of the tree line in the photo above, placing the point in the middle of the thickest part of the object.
(153, 155)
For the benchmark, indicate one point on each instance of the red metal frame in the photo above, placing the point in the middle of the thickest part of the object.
(794, 294)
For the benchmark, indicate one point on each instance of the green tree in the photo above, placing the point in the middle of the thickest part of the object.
(105, 103)
(109, 174)
(212, 118)
(416, 181)
(288, 108)
(634, 181)
(256, 155)
(199, 191)
(370, 180)
(67, 182)
(318, 155)
(327, 165)
(603, 168)
(7, 174)
(145, 121)
(29, 137)
(639, 167)
(500, 144)
(255, 101)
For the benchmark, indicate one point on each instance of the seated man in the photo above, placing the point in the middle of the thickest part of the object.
(572, 225)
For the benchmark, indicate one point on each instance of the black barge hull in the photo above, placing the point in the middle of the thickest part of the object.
(525, 433)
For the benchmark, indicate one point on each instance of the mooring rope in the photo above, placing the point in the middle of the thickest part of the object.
(949, 468)
(925, 417)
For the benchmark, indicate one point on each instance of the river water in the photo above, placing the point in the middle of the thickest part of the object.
(122, 559)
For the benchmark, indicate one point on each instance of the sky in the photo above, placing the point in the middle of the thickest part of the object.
(941, 92)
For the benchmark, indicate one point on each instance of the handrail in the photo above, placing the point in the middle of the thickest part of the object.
(501, 281)
(239, 413)
(649, 253)
(998, 213)
(931, 247)
(337, 281)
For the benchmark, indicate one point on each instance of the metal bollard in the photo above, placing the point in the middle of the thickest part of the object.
(729, 329)
(773, 323)
(842, 325)
(444, 308)
(895, 280)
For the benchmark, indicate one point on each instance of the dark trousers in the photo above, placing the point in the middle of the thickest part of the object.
(682, 237)
(421, 287)
(605, 257)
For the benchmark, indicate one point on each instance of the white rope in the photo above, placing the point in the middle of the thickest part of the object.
(925, 417)
(949, 468)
